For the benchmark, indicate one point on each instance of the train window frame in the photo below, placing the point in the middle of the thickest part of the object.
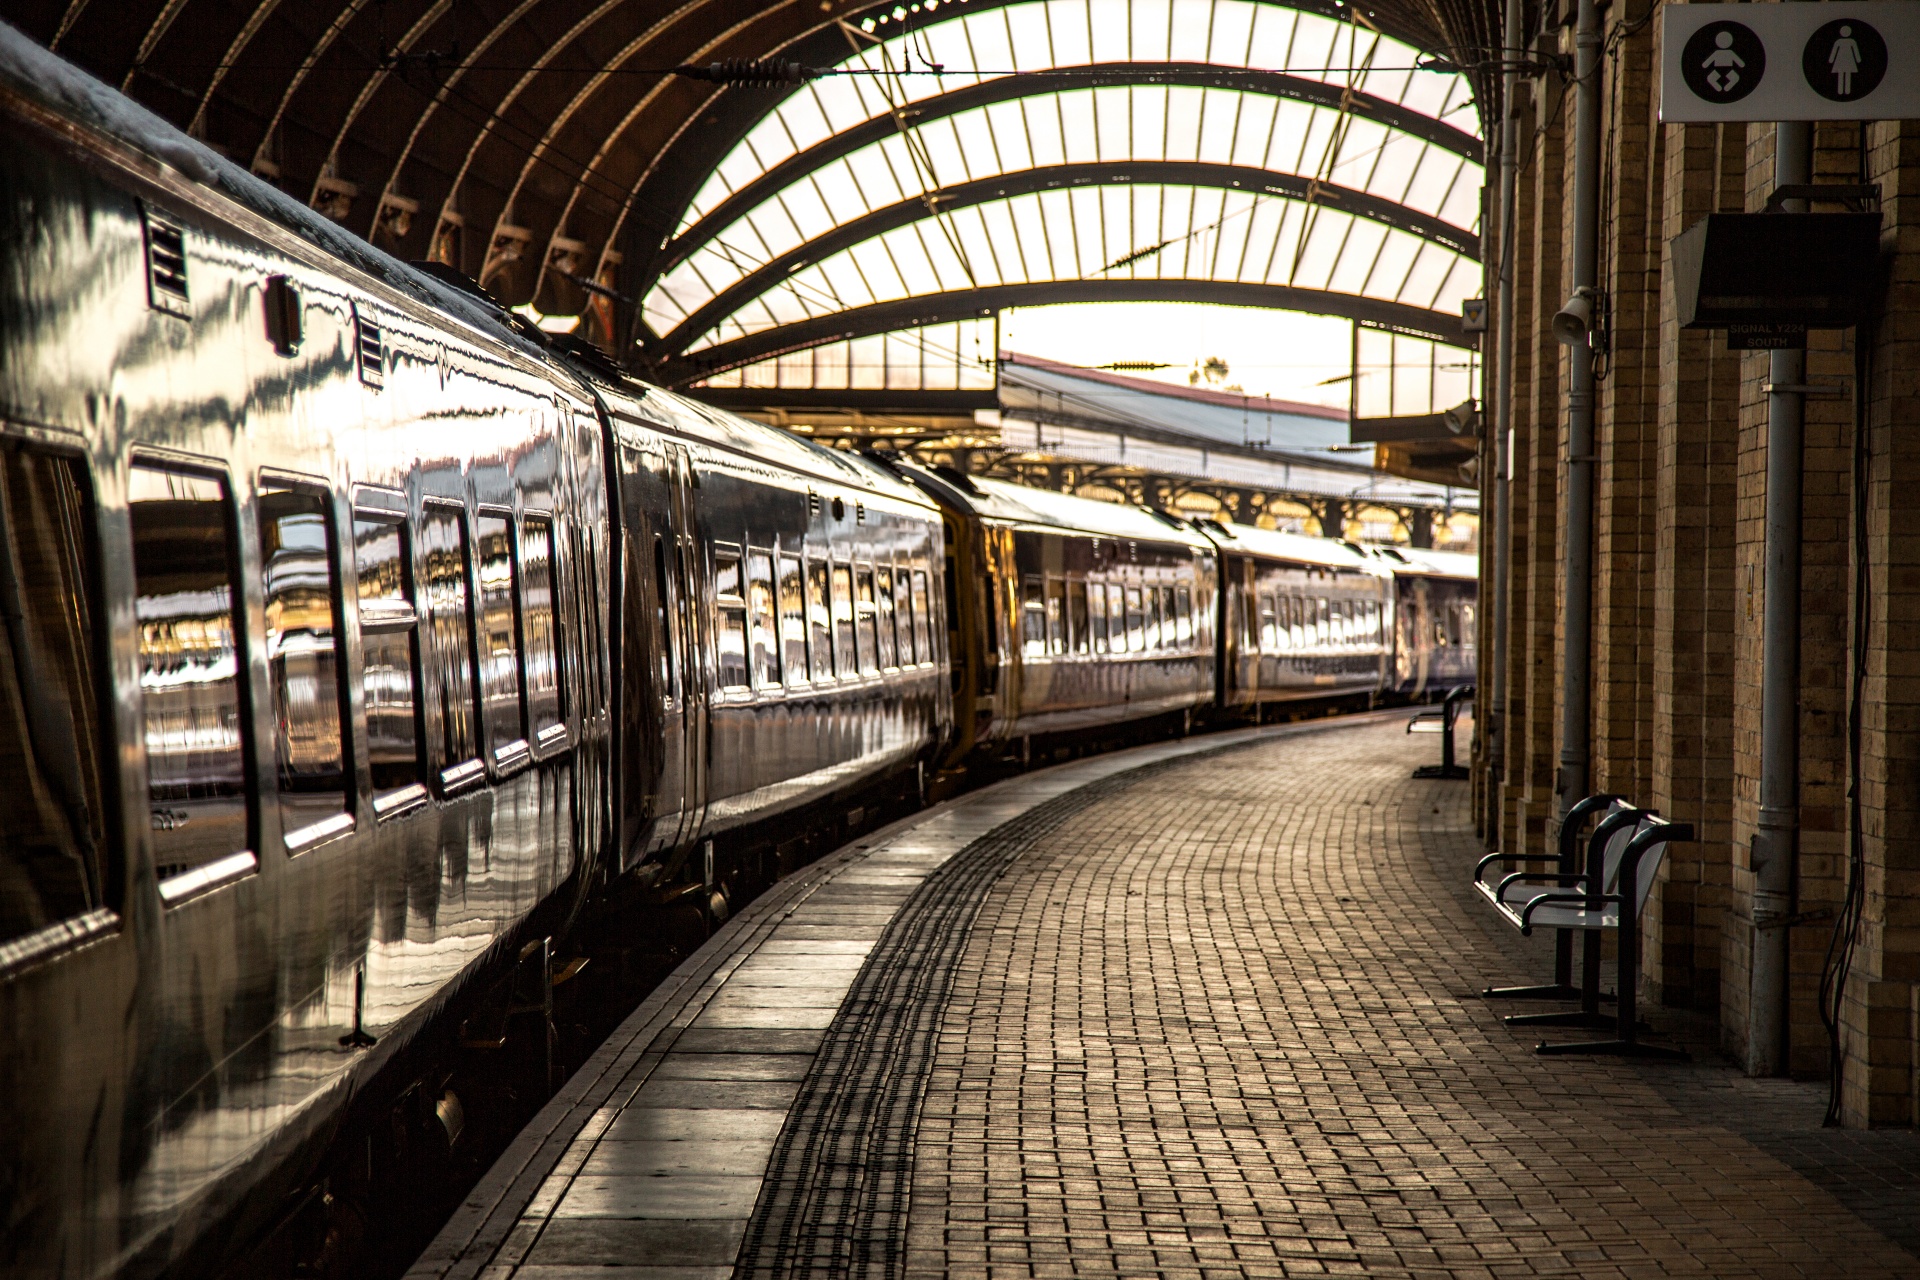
(886, 619)
(820, 645)
(197, 880)
(663, 617)
(1150, 617)
(866, 614)
(309, 835)
(1056, 615)
(1097, 615)
(455, 776)
(1033, 616)
(1079, 630)
(1116, 617)
(1183, 613)
(547, 722)
(1136, 621)
(387, 621)
(763, 618)
(75, 538)
(846, 634)
(906, 654)
(793, 662)
(1173, 635)
(923, 628)
(730, 621)
(504, 754)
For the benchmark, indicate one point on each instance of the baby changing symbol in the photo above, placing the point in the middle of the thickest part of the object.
(1844, 61)
(1723, 62)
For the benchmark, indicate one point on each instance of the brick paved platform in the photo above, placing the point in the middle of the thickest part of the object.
(1163, 1014)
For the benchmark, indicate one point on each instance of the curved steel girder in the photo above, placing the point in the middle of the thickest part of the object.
(675, 173)
(969, 304)
(1275, 84)
(1055, 178)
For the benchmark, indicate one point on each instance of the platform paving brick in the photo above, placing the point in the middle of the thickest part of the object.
(1224, 1025)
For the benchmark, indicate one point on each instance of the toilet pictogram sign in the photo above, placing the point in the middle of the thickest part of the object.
(1854, 60)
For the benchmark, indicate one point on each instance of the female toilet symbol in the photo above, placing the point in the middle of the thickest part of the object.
(1845, 60)
(1724, 56)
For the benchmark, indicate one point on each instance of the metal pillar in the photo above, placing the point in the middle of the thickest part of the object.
(1500, 490)
(1576, 691)
(1774, 844)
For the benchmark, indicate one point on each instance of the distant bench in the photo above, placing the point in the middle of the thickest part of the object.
(1607, 889)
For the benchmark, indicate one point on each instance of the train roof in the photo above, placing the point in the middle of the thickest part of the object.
(680, 415)
(1328, 553)
(40, 76)
(1017, 504)
(1427, 563)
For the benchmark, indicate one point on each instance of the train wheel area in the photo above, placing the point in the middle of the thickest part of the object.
(1207, 1006)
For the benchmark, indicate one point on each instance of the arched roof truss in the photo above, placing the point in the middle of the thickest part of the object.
(1336, 173)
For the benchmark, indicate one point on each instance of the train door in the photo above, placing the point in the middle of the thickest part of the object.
(683, 574)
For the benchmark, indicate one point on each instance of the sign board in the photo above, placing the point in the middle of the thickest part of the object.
(1853, 60)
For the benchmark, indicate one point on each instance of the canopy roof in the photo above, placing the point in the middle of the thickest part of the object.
(957, 155)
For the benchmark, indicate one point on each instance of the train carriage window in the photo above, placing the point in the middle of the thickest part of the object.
(820, 618)
(1097, 616)
(1172, 631)
(1116, 619)
(764, 643)
(389, 637)
(1136, 622)
(59, 878)
(455, 730)
(1183, 607)
(846, 649)
(730, 606)
(883, 600)
(793, 619)
(1056, 616)
(1077, 626)
(903, 617)
(1269, 626)
(866, 618)
(663, 618)
(185, 575)
(546, 705)
(499, 640)
(1033, 614)
(1150, 616)
(922, 618)
(1323, 623)
(300, 571)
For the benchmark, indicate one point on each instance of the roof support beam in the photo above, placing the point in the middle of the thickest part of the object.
(1225, 177)
(1199, 75)
(967, 304)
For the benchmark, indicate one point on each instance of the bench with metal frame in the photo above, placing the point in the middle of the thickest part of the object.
(1448, 713)
(1567, 877)
(1593, 910)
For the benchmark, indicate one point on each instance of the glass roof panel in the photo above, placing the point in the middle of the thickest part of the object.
(1041, 34)
(1214, 234)
(1150, 122)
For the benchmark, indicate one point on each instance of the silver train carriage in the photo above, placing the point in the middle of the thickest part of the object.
(350, 642)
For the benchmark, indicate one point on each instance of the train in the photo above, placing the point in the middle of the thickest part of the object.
(370, 663)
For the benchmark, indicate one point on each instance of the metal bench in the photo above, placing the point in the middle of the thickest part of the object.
(1593, 909)
(1423, 723)
(1571, 861)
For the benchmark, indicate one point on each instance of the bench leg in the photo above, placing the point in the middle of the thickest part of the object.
(1562, 986)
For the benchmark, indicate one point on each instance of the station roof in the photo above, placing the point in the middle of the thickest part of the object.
(920, 160)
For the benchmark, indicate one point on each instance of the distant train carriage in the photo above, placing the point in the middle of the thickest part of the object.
(1435, 595)
(1301, 618)
(1070, 614)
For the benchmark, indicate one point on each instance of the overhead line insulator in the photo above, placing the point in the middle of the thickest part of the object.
(749, 71)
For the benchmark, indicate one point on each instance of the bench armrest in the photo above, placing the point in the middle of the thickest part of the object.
(1566, 882)
(1563, 899)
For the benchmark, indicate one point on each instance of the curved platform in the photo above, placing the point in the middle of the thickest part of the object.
(1204, 1007)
